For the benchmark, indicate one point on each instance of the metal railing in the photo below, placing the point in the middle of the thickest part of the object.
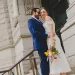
(18, 66)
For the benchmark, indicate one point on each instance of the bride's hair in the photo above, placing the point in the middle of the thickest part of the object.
(44, 9)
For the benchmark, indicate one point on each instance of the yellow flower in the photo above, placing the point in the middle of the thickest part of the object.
(46, 53)
(53, 52)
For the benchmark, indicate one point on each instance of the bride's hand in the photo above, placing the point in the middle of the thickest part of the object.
(51, 34)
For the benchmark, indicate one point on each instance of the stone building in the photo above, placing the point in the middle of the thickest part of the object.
(15, 39)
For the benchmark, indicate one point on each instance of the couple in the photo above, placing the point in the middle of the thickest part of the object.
(43, 34)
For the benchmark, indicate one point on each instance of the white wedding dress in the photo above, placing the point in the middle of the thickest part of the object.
(60, 64)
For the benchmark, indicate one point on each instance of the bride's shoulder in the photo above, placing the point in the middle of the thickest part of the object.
(48, 18)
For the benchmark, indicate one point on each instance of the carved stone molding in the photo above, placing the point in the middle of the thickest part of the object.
(29, 4)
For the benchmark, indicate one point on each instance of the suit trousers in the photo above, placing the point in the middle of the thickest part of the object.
(44, 64)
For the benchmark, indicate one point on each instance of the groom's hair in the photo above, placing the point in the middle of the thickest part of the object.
(33, 10)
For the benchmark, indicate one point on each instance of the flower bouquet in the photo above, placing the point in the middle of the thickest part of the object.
(52, 53)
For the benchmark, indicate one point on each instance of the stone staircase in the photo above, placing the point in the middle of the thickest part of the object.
(31, 73)
(28, 70)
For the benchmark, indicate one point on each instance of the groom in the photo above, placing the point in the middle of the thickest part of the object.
(39, 39)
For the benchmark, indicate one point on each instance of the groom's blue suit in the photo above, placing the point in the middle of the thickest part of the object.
(39, 42)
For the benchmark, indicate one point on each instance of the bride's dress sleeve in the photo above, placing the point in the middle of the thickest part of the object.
(51, 23)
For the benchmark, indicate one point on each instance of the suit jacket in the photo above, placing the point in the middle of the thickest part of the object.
(38, 34)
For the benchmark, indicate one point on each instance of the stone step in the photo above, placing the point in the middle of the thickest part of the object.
(31, 73)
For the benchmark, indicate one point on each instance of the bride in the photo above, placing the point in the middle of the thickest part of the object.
(60, 65)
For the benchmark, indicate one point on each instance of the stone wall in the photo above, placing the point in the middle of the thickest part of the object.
(68, 35)
(6, 39)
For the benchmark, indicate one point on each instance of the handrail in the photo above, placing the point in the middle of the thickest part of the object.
(21, 60)
(4, 71)
(17, 62)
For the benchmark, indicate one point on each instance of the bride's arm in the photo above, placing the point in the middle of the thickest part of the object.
(51, 27)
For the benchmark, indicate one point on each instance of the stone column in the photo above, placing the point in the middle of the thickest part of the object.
(6, 41)
(15, 7)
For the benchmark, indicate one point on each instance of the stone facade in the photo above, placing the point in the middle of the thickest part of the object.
(68, 35)
(15, 39)
(6, 39)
